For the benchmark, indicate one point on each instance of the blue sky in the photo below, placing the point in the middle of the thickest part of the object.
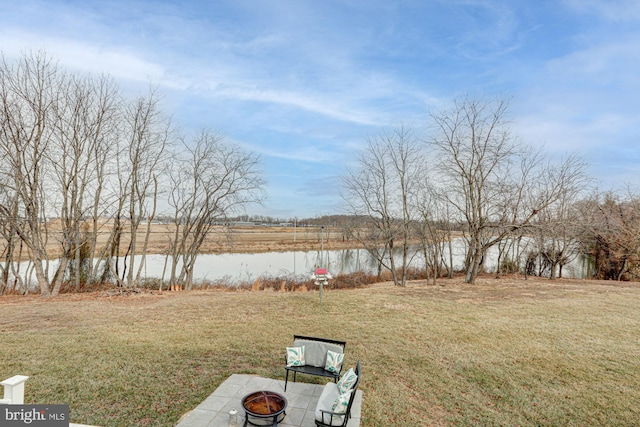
(304, 83)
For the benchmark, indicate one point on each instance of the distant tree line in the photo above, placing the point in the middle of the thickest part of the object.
(471, 177)
(75, 149)
(81, 161)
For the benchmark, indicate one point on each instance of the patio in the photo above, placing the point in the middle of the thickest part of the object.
(302, 399)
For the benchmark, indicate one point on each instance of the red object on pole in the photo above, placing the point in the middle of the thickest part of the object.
(321, 271)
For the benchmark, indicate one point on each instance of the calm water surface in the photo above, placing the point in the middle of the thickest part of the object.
(243, 268)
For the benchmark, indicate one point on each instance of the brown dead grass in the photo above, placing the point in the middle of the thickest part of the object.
(237, 239)
(502, 352)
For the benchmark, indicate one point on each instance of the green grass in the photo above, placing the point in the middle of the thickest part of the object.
(500, 353)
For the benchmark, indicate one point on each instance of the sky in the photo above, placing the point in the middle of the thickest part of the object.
(304, 83)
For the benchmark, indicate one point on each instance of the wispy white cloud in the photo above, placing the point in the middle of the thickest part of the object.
(116, 61)
(614, 61)
(304, 83)
(611, 10)
(489, 29)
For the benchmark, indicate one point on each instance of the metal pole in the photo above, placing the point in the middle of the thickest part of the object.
(321, 259)
(322, 247)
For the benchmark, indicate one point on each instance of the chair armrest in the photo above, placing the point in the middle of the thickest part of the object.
(331, 415)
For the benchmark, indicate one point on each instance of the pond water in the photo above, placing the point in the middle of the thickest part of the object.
(242, 268)
(235, 268)
(248, 267)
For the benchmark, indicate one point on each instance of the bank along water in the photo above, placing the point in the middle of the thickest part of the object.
(238, 268)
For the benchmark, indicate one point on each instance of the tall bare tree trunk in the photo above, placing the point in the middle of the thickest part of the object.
(380, 189)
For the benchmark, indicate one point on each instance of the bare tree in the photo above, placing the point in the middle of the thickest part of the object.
(559, 227)
(55, 133)
(210, 180)
(493, 182)
(434, 230)
(613, 234)
(146, 133)
(28, 98)
(380, 189)
(104, 150)
(11, 243)
(85, 128)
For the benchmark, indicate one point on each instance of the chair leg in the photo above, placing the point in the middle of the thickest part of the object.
(286, 380)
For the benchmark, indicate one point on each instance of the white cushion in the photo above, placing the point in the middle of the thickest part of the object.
(341, 403)
(328, 397)
(347, 381)
(315, 352)
(295, 356)
(334, 362)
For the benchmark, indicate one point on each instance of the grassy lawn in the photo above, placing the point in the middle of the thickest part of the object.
(504, 353)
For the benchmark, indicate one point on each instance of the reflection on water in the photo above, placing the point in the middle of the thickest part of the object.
(239, 268)
(248, 267)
